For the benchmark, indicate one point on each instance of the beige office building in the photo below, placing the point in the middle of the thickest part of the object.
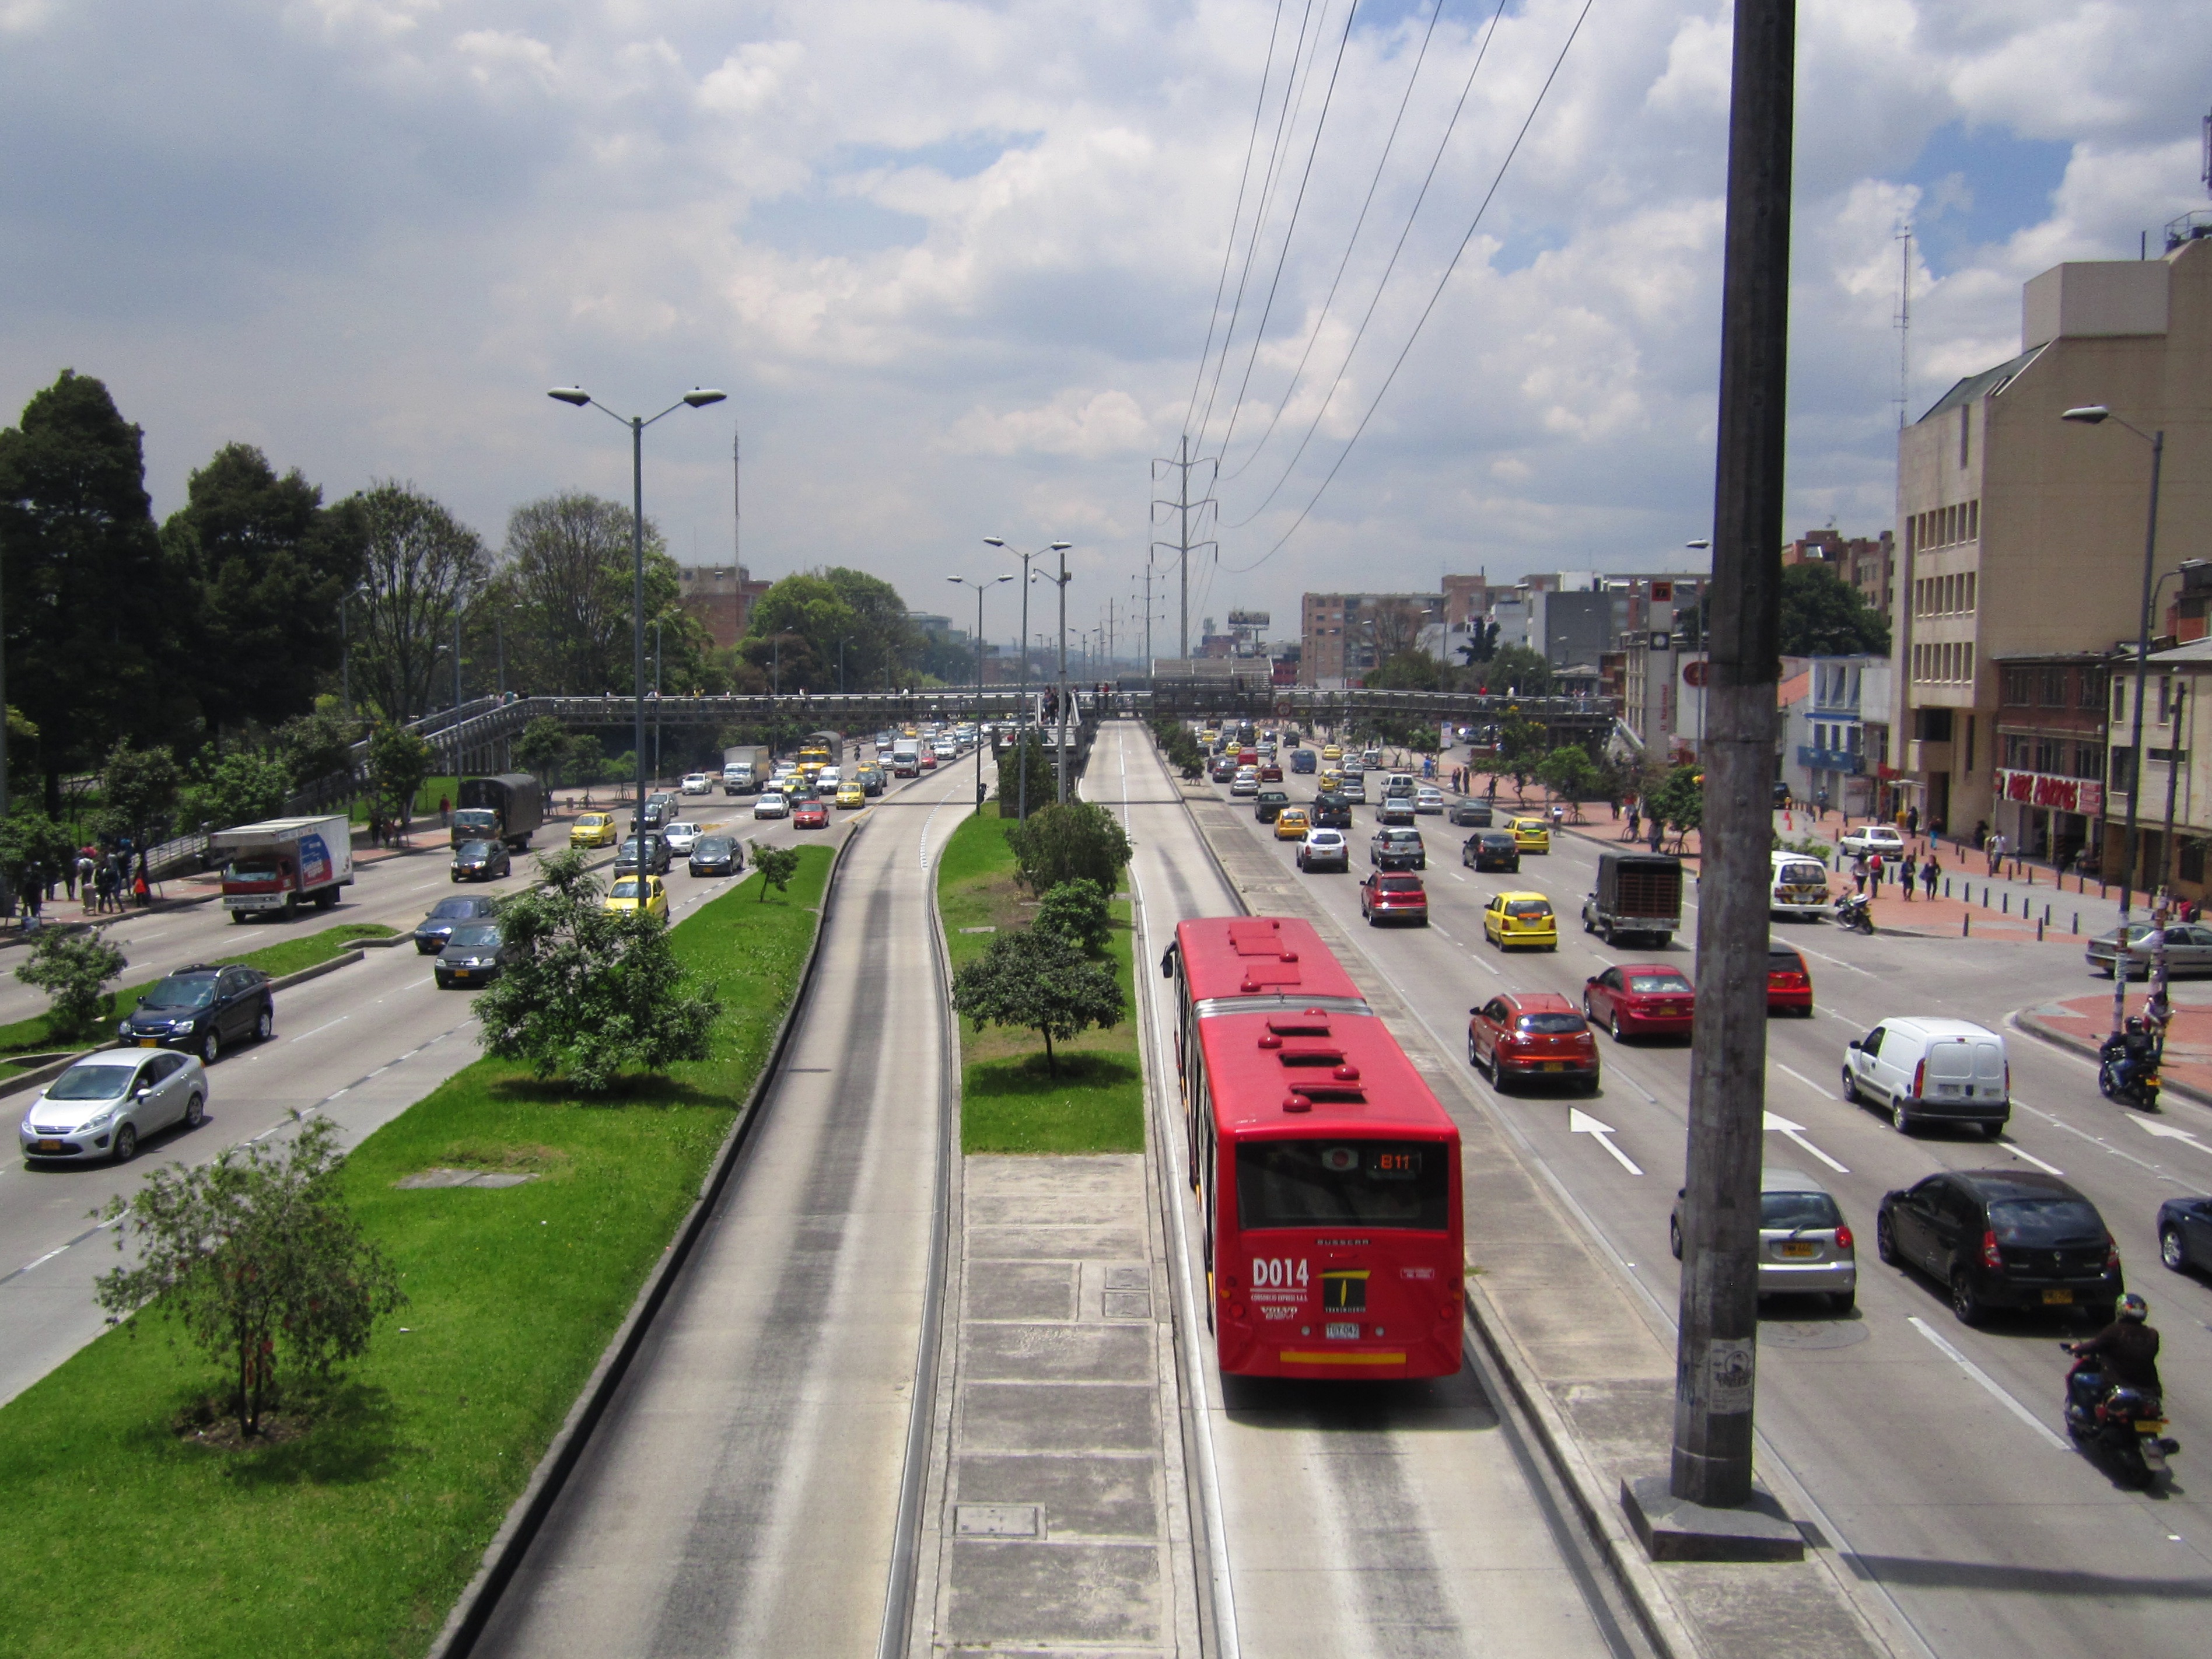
(2021, 534)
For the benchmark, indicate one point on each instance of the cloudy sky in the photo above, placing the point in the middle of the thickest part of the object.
(956, 263)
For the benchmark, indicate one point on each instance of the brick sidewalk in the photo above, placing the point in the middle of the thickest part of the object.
(2082, 1023)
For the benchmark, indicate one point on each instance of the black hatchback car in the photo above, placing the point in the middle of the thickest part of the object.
(473, 955)
(1492, 850)
(2004, 1239)
(204, 1009)
(481, 861)
(717, 855)
(434, 929)
(2185, 1234)
(656, 856)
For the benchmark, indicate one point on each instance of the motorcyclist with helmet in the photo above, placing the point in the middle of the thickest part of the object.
(2128, 1057)
(2125, 1352)
(2112, 1394)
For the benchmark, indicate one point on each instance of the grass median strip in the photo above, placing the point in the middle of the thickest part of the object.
(30, 1036)
(1009, 1100)
(357, 1536)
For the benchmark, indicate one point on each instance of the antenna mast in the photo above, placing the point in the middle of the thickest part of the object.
(737, 500)
(1904, 326)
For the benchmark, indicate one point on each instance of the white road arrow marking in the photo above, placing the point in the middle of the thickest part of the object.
(1795, 1132)
(2170, 1132)
(1582, 1123)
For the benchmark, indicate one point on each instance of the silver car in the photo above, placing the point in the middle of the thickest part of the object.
(2188, 949)
(681, 839)
(1804, 1246)
(772, 804)
(108, 1101)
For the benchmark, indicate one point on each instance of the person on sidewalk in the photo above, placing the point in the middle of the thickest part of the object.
(1905, 872)
(1873, 873)
(444, 813)
(1635, 820)
(1912, 820)
(1859, 872)
(1996, 844)
(1929, 870)
(1820, 801)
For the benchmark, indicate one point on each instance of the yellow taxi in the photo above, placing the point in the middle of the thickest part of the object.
(909, 730)
(624, 896)
(1329, 782)
(1331, 752)
(594, 829)
(1291, 823)
(1530, 834)
(1520, 922)
(852, 794)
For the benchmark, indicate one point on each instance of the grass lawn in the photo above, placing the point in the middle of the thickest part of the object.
(357, 1538)
(29, 1036)
(1009, 1102)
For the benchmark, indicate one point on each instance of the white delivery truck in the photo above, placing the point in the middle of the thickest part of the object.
(271, 868)
(906, 758)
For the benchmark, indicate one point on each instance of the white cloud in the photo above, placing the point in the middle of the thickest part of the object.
(1093, 426)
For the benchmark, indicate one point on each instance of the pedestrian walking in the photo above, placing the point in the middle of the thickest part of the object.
(1820, 801)
(1912, 820)
(1859, 872)
(1995, 845)
(445, 813)
(104, 880)
(1905, 872)
(1657, 834)
(1873, 873)
(1929, 870)
(1635, 819)
(86, 867)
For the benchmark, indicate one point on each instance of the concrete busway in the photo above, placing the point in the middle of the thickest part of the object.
(742, 1493)
(1934, 1453)
(362, 1044)
(1341, 1518)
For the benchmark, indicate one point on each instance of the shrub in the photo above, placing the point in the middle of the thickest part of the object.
(776, 865)
(1078, 842)
(1036, 981)
(1079, 912)
(73, 970)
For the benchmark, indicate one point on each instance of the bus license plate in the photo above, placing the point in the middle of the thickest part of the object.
(1342, 1330)
(2057, 1299)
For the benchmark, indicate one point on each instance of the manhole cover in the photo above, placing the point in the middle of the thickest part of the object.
(1811, 1333)
(995, 1520)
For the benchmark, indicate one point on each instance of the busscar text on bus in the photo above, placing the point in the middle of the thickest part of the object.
(1327, 1171)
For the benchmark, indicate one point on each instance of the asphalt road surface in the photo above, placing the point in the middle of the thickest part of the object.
(1934, 1452)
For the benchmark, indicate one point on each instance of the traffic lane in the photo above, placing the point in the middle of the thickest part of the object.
(1989, 1472)
(1358, 1519)
(738, 1496)
(1167, 857)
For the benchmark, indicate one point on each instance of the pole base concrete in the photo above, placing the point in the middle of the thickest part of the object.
(1675, 1529)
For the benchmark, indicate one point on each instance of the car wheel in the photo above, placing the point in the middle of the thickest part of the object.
(126, 1143)
(195, 1110)
(1674, 1236)
(1473, 1059)
(1843, 1302)
(1900, 1119)
(1615, 1027)
(1992, 1131)
(211, 1048)
(1965, 1303)
(1851, 1096)
(266, 1026)
(1884, 1241)
(2171, 1251)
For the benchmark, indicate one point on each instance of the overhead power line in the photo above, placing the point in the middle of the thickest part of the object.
(1450, 266)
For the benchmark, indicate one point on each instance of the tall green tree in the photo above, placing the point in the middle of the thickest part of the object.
(1408, 670)
(801, 621)
(272, 566)
(1824, 616)
(138, 791)
(568, 576)
(1516, 668)
(98, 619)
(421, 565)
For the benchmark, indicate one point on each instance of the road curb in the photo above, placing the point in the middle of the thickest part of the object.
(473, 1610)
(345, 958)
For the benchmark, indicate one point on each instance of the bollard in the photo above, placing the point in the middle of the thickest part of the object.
(2031, 874)
(2046, 918)
(1985, 895)
(1966, 925)
(2077, 921)
(2005, 899)
(2038, 930)
(1946, 887)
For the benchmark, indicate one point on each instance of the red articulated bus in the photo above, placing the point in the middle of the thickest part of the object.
(1328, 1171)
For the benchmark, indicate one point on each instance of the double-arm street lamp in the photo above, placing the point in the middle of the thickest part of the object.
(697, 398)
(981, 588)
(1022, 642)
(1060, 790)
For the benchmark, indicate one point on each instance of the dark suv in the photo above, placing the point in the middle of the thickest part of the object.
(656, 856)
(434, 930)
(1330, 812)
(203, 1009)
(2004, 1239)
(1492, 850)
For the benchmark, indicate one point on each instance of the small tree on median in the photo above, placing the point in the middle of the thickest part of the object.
(588, 992)
(777, 865)
(1036, 981)
(1079, 912)
(1079, 840)
(257, 1258)
(73, 970)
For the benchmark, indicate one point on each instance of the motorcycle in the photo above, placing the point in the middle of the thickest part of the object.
(2128, 1424)
(1855, 911)
(2127, 1068)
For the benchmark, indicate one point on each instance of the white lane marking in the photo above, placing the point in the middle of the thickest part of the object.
(1795, 1133)
(1839, 961)
(1580, 1122)
(43, 1260)
(1803, 1078)
(1996, 1389)
(2018, 1150)
(2097, 1141)
(2170, 1132)
(324, 1026)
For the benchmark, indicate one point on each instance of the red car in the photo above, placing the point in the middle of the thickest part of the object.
(1640, 999)
(1270, 773)
(1393, 898)
(1532, 1033)
(929, 760)
(810, 815)
(1789, 982)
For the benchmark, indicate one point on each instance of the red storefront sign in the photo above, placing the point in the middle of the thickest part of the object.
(2084, 796)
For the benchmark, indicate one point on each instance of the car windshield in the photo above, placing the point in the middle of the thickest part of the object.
(1326, 838)
(2045, 1222)
(1550, 1024)
(1785, 961)
(1402, 837)
(1658, 984)
(446, 909)
(1798, 1211)
(1370, 1184)
(91, 1082)
(624, 890)
(480, 937)
(475, 850)
(711, 846)
(195, 992)
(256, 868)
(1499, 841)
(1400, 884)
(1527, 908)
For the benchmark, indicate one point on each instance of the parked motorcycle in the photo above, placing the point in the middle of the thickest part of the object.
(2127, 1067)
(2128, 1425)
(1855, 911)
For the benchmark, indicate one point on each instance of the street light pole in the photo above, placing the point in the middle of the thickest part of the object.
(1022, 645)
(697, 398)
(981, 587)
(657, 654)
(2097, 415)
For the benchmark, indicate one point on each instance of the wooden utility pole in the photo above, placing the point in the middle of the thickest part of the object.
(1716, 1364)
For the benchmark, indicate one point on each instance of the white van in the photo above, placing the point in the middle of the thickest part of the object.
(1799, 886)
(1932, 1070)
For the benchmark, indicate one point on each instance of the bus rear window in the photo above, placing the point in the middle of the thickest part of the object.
(1325, 1183)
